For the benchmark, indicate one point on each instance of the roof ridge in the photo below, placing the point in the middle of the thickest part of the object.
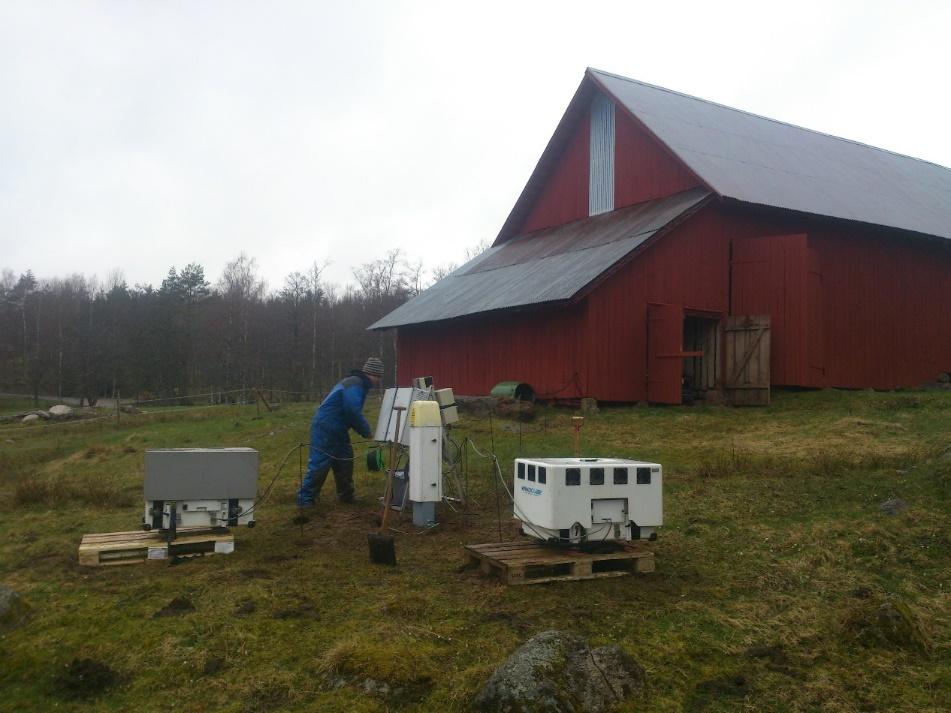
(595, 70)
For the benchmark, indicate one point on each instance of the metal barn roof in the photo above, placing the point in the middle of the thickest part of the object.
(758, 160)
(549, 265)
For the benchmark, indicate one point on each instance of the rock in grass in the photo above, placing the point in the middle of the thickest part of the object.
(893, 506)
(61, 411)
(13, 610)
(554, 671)
(30, 418)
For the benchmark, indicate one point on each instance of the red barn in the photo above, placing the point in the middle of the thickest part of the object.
(664, 241)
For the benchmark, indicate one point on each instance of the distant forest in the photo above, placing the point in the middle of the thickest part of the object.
(78, 337)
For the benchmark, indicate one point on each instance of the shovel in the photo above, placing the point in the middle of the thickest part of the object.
(382, 546)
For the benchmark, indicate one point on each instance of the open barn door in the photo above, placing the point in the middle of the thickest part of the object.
(746, 342)
(664, 353)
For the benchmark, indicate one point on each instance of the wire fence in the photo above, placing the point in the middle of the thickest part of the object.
(132, 409)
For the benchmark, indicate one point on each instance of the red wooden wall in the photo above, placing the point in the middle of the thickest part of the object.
(689, 267)
(565, 195)
(884, 319)
(541, 346)
(643, 168)
(770, 275)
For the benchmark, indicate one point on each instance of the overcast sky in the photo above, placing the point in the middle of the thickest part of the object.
(142, 135)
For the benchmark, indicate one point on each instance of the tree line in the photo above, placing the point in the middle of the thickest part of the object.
(80, 337)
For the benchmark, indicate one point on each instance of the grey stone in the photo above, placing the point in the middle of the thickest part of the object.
(557, 672)
(13, 610)
(893, 506)
(376, 688)
(61, 411)
(30, 418)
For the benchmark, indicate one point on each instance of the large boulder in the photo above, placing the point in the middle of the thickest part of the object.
(30, 418)
(61, 411)
(37, 412)
(556, 672)
(13, 610)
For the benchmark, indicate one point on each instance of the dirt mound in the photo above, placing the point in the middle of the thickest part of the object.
(85, 678)
(886, 624)
(177, 607)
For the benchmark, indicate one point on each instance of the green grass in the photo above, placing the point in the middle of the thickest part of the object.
(772, 568)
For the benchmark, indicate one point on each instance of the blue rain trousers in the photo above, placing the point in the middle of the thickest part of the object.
(330, 447)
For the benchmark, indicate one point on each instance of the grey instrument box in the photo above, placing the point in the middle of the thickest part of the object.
(201, 474)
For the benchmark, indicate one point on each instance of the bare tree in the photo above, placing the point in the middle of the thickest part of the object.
(240, 287)
(414, 277)
(8, 279)
(441, 271)
(115, 279)
(473, 251)
(384, 277)
(316, 289)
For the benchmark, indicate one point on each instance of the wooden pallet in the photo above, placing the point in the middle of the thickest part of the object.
(530, 562)
(114, 548)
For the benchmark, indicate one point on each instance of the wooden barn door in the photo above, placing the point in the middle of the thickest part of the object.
(664, 353)
(746, 345)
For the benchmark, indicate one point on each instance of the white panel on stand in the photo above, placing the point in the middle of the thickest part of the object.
(386, 423)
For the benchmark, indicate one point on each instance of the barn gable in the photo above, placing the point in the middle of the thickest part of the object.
(766, 162)
(600, 158)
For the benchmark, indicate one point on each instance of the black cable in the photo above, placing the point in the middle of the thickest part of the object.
(267, 491)
(335, 457)
(538, 529)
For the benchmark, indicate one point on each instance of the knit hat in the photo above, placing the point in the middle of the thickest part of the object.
(373, 367)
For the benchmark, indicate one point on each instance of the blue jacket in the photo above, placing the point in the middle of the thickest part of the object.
(342, 410)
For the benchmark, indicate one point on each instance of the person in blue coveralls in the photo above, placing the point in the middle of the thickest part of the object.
(330, 447)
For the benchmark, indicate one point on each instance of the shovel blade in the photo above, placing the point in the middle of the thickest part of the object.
(382, 548)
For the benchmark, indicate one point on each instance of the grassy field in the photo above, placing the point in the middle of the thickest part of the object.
(780, 585)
